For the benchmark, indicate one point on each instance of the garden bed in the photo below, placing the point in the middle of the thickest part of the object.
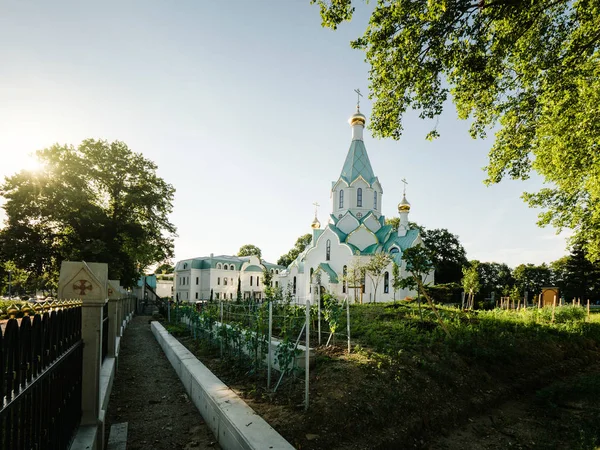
(406, 384)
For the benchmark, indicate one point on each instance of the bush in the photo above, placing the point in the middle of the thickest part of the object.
(445, 293)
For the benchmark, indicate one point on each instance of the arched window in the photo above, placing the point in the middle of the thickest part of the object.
(344, 280)
(250, 280)
(225, 281)
(218, 280)
(375, 200)
(394, 250)
(277, 272)
(342, 198)
(257, 280)
(294, 286)
(310, 281)
(184, 266)
(277, 284)
(359, 197)
(328, 250)
(232, 267)
(386, 283)
(219, 266)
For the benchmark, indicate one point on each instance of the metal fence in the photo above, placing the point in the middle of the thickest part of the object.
(105, 331)
(41, 358)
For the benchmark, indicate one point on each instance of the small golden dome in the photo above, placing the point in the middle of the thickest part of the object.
(357, 118)
(315, 225)
(404, 206)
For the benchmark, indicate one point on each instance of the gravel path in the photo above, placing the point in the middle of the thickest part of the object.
(149, 396)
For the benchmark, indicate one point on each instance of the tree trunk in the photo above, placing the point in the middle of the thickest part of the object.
(437, 314)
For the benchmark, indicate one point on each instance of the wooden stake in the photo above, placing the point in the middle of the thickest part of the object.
(578, 302)
(553, 308)
(588, 309)
(540, 301)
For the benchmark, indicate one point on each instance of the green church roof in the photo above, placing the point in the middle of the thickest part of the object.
(357, 164)
(333, 278)
(253, 268)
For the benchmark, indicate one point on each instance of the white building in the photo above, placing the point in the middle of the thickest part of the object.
(196, 278)
(355, 232)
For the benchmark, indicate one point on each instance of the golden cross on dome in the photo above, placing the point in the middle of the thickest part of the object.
(316, 205)
(358, 96)
(405, 183)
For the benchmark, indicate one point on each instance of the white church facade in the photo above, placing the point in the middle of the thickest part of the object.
(356, 230)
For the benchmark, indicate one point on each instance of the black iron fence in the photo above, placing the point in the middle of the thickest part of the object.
(41, 360)
(104, 331)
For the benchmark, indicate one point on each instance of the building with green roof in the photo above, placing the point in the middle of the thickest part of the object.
(356, 231)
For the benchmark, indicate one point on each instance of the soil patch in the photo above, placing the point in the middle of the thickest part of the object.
(149, 396)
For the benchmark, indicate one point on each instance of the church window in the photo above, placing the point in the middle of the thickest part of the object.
(250, 280)
(359, 215)
(185, 266)
(394, 250)
(219, 266)
(342, 198)
(272, 271)
(277, 284)
(197, 281)
(218, 281)
(386, 283)
(359, 197)
(217, 294)
(328, 250)
(230, 296)
(196, 296)
(375, 200)
(257, 280)
(277, 272)
(232, 281)
(225, 281)
(294, 286)
(344, 279)
(310, 282)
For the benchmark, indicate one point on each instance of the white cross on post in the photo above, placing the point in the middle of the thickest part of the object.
(358, 96)
(316, 205)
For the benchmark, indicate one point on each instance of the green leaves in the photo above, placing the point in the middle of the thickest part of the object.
(249, 250)
(97, 202)
(528, 69)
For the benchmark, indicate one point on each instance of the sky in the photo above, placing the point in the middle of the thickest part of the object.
(243, 105)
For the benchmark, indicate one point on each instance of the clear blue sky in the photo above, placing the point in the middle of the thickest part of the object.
(244, 106)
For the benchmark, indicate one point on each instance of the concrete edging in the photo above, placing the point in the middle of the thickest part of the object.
(233, 422)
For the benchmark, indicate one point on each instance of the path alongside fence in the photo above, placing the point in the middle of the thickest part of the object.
(148, 395)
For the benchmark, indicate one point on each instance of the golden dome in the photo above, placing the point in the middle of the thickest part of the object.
(357, 118)
(403, 206)
(315, 225)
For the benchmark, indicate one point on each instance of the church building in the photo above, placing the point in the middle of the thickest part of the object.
(356, 230)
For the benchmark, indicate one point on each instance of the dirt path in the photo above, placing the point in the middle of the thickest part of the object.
(149, 396)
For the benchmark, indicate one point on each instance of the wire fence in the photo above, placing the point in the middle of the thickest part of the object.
(273, 336)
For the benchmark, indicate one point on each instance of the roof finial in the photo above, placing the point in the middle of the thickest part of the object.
(315, 223)
(358, 96)
(405, 183)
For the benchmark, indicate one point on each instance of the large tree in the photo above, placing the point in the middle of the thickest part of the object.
(576, 276)
(447, 254)
(98, 202)
(301, 243)
(532, 278)
(527, 70)
(493, 277)
(249, 250)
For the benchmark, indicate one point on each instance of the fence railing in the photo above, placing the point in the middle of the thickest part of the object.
(105, 323)
(41, 358)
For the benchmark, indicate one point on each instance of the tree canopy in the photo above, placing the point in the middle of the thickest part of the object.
(249, 250)
(447, 254)
(301, 243)
(98, 202)
(527, 70)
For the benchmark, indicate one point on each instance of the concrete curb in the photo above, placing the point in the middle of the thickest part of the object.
(235, 424)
